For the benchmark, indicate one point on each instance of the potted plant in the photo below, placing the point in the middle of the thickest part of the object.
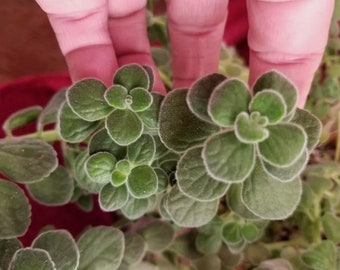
(192, 180)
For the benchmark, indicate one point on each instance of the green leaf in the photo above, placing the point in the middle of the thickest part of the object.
(61, 247)
(100, 166)
(26, 160)
(209, 238)
(229, 260)
(142, 151)
(7, 249)
(29, 258)
(135, 248)
(113, 198)
(227, 159)
(320, 256)
(149, 117)
(135, 208)
(162, 207)
(232, 233)
(86, 98)
(208, 262)
(227, 100)
(278, 82)
(257, 253)
(116, 96)
(284, 146)
(123, 166)
(194, 181)
(132, 76)
(151, 75)
(250, 232)
(184, 246)
(311, 125)
(71, 127)
(199, 94)
(142, 182)
(118, 178)
(102, 142)
(124, 127)
(101, 248)
(331, 225)
(269, 103)
(15, 211)
(163, 180)
(251, 129)
(55, 189)
(268, 198)
(85, 202)
(21, 118)
(141, 99)
(187, 212)
(80, 175)
(286, 174)
(158, 235)
(236, 204)
(179, 128)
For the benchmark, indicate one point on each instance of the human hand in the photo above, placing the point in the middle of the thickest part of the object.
(98, 36)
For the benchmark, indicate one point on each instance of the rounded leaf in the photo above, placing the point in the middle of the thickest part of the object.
(113, 198)
(142, 151)
(118, 178)
(135, 248)
(132, 76)
(227, 159)
(250, 232)
(149, 117)
(141, 99)
(55, 189)
(8, 247)
(194, 181)
(284, 146)
(135, 208)
(31, 258)
(124, 127)
(232, 233)
(269, 103)
(228, 100)
(100, 166)
(86, 98)
(187, 212)
(142, 182)
(115, 96)
(15, 211)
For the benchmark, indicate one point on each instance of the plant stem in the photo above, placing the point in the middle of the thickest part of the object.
(299, 242)
(165, 79)
(47, 136)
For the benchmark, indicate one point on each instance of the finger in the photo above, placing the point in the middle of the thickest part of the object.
(83, 37)
(289, 36)
(128, 29)
(196, 29)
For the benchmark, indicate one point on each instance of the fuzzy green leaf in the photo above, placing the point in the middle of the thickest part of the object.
(26, 160)
(135, 248)
(232, 233)
(251, 129)
(187, 212)
(102, 142)
(132, 76)
(320, 256)
(311, 125)
(331, 225)
(142, 182)
(269, 103)
(85, 202)
(124, 127)
(199, 94)
(184, 246)
(285, 144)
(113, 198)
(250, 232)
(71, 127)
(118, 178)
(227, 159)
(149, 117)
(61, 247)
(101, 248)
(163, 179)
(135, 208)
(86, 98)
(268, 198)
(100, 166)
(15, 211)
(141, 99)
(123, 166)
(142, 151)
(115, 96)
(158, 235)
(21, 118)
(7, 249)
(227, 100)
(194, 181)
(236, 204)
(31, 258)
(286, 174)
(278, 82)
(179, 128)
(55, 189)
